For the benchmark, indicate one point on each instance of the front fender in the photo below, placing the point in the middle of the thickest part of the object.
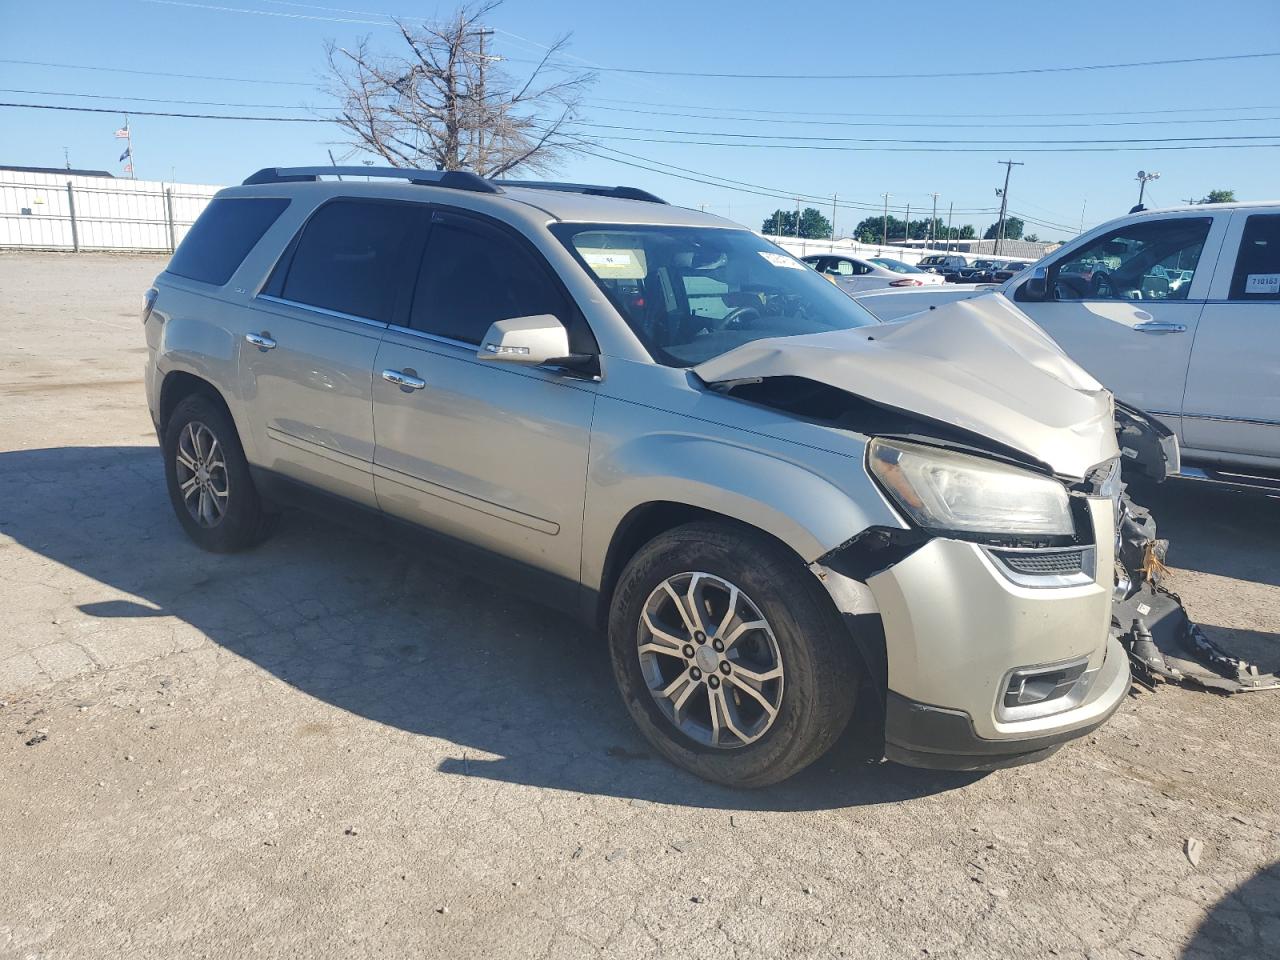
(812, 506)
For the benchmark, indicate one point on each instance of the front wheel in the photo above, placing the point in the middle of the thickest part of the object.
(729, 657)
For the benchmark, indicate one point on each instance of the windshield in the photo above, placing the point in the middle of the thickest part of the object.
(897, 266)
(693, 293)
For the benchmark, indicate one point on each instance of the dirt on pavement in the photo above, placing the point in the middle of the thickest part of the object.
(332, 747)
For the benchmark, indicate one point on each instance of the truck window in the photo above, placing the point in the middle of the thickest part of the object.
(1148, 260)
(1257, 273)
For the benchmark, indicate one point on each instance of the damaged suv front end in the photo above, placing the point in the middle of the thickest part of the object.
(985, 611)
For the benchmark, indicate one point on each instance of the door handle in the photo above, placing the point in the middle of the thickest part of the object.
(1156, 326)
(261, 340)
(403, 379)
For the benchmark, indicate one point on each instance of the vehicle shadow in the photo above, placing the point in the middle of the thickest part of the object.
(525, 694)
(1241, 924)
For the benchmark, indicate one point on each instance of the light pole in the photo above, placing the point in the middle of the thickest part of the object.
(931, 237)
(1004, 200)
(1143, 177)
(884, 236)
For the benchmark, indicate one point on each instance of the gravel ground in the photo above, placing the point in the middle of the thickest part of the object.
(330, 747)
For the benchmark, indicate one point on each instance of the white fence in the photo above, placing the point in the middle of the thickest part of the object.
(49, 211)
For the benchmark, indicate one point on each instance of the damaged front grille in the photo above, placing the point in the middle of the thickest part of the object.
(1042, 564)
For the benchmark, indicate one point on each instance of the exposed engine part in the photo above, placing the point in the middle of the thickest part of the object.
(1163, 643)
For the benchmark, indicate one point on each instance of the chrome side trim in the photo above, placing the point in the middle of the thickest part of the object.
(336, 314)
(319, 450)
(1220, 419)
(433, 338)
(461, 499)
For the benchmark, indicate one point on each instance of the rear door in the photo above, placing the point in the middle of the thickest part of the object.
(1120, 316)
(1232, 404)
(488, 452)
(306, 365)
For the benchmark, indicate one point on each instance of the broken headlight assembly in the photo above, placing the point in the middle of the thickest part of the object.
(969, 497)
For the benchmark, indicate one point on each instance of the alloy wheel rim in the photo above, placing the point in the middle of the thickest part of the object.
(710, 660)
(202, 474)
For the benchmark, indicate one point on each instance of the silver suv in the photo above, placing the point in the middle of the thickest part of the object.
(771, 503)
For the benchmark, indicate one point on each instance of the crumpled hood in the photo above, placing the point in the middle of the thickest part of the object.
(978, 364)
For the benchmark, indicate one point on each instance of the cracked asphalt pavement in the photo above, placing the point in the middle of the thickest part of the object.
(333, 747)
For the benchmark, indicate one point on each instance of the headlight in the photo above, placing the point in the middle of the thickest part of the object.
(951, 492)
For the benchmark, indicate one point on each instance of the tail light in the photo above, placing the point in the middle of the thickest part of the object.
(148, 303)
(906, 283)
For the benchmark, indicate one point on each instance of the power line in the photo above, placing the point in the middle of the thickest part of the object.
(163, 113)
(832, 139)
(944, 75)
(198, 103)
(899, 114)
(155, 73)
(878, 123)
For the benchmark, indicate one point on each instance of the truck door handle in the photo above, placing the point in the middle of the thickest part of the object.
(261, 340)
(1156, 326)
(404, 379)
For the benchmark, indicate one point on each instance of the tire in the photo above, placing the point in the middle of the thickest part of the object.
(228, 515)
(813, 695)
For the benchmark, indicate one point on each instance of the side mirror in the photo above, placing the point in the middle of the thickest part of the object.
(533, 340)
(1036, 287)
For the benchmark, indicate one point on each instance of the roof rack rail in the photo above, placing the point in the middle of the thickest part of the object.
(620, 193)
(453, 179)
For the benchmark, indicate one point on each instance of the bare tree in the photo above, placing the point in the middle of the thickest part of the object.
(446, 105)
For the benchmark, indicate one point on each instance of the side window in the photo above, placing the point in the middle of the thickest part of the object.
(349, 256)
(1148, 260)
(473, 275)
(223, 236)
(845, 268)
(1257, 274)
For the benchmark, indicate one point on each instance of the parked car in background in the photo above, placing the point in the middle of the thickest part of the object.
(943, 263)
(1178, 312)
(1011, 269)
(663, 423)
(853, 275)
(988, 274)
(971, 273)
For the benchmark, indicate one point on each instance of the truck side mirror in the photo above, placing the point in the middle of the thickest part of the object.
(1036, 287)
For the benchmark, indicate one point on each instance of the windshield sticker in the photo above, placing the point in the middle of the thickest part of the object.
(612, 264)
(781, 260)
(1262, 283)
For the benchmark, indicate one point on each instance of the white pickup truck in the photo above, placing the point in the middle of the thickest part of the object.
(1177, 311)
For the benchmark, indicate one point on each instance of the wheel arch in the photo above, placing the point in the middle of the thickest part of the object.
(180, 384)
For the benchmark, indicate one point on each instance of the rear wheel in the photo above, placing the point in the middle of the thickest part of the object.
(208, 478)
(728, 656)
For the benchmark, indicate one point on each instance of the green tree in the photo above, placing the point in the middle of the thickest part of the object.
(1012, 229)
(967, 232)
(813, 225)
(1031, 238)
(1220, 196)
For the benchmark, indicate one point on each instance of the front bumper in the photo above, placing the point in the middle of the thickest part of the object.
(960, 628)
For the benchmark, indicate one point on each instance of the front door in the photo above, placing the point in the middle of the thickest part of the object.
(493, 453)
(306, 362)
(1126, 306)
(1232, 405)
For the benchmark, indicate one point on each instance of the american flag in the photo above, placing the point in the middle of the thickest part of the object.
(123, 133)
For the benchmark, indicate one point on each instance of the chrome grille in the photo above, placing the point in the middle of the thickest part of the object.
(1042, 564)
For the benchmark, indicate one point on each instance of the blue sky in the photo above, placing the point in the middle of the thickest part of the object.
(279, 51)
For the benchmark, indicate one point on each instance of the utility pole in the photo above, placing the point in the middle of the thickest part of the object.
(950, 207)
(933, 222)
(482, 106)
(1083, 207)
(797, 218)
(833, 217)
(906, 235)
(66, 156)
(884, 236)
(1143, 179)
(777, 222)
(1004, 199)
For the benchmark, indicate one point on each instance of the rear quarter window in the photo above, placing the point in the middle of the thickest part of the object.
(222, 237)
(1257, 273)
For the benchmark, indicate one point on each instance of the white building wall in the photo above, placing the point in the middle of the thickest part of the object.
(110, 213)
